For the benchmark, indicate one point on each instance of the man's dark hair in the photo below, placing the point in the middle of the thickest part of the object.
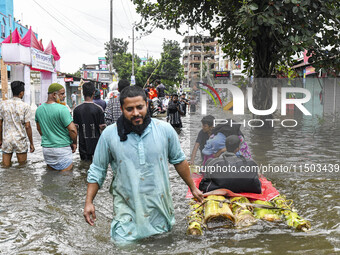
(209, 119)
(17, 87)
(232, 143)
(132, 91)
(122, 84)
(88, 89)
(157, 82)
(97, 94)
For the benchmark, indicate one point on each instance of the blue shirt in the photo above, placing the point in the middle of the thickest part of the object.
(140, 187)
(214, 144)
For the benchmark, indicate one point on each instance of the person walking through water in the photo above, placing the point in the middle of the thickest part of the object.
(57, 130)
(89, 119)
(184, 103)
(15, 126)
(202, 137)
(174, 112)
(113, 111)
(97, 100)
(74, 99)
(138, 149)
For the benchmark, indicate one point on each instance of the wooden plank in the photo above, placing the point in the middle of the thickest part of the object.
(4, 80)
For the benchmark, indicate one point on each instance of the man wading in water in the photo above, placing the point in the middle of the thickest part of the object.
(138, 149)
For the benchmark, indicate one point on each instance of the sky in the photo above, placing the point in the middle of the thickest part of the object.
(79, 28)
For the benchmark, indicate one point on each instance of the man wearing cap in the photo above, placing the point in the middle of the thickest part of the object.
(57, 130)
(15, 122)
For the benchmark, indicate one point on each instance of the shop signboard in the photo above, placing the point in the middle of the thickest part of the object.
(41, 60)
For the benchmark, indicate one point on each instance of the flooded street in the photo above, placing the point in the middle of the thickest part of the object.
(41, 211)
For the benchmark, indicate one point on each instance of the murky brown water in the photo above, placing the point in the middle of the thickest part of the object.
(41, 211)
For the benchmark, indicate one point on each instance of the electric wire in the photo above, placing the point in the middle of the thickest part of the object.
(61, 23)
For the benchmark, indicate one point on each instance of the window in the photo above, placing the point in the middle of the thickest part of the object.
(3, 34)
(3, 20)
(10, 21)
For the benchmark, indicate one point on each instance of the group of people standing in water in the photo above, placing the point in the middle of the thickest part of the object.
(137, 147)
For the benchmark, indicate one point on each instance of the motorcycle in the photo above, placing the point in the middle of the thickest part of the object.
(156, 107)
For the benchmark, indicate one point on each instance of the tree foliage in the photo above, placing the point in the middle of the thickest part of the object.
(76, 74)
(114, 47)
(168, 69)
(264, 34)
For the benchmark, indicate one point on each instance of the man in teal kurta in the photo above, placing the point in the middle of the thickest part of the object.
(138, 149)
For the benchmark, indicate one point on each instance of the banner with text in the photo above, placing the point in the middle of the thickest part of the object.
(41, 60)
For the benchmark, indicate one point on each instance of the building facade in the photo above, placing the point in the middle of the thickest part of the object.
(8, 23)
(100, 73)
(207, 51)
(196, 50)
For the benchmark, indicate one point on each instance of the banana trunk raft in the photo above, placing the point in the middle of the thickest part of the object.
(225, 209)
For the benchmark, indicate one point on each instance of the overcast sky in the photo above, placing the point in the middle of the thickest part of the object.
(79, 28)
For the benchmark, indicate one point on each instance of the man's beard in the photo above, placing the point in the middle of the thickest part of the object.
(60, 102)
(138, 129)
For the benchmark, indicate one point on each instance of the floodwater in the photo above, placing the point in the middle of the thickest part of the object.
(41, 211)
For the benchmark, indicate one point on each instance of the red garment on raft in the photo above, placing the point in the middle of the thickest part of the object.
(267, 194)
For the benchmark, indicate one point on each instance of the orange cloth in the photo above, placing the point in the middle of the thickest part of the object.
(153, 93)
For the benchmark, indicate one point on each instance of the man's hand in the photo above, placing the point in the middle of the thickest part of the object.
(197, 194)
(89, 211)
(32, 149)
(74, 147)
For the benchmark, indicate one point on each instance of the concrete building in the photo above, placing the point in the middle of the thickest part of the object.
(100, 73)
(213, 59)
(8, 23)
(197, 49)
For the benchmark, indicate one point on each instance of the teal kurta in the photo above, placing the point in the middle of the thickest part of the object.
(142, 200)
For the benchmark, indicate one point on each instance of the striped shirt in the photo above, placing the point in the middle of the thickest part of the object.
(112, 111)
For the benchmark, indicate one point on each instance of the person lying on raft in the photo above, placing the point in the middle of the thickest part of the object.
(231, 171)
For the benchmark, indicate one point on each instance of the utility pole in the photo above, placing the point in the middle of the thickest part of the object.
(133, 81)
(133, 50)
(203, 95)
(111, 20)
(111, 38)
(201, 65)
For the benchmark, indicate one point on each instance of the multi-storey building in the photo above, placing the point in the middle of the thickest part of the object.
(208, 50)
(197, 49)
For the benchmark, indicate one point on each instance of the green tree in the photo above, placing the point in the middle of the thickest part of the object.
(264, 34)
(122, 63)
(121, 60)
(146, 71)
(170, 69)
(116, 46)
(76, 74)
